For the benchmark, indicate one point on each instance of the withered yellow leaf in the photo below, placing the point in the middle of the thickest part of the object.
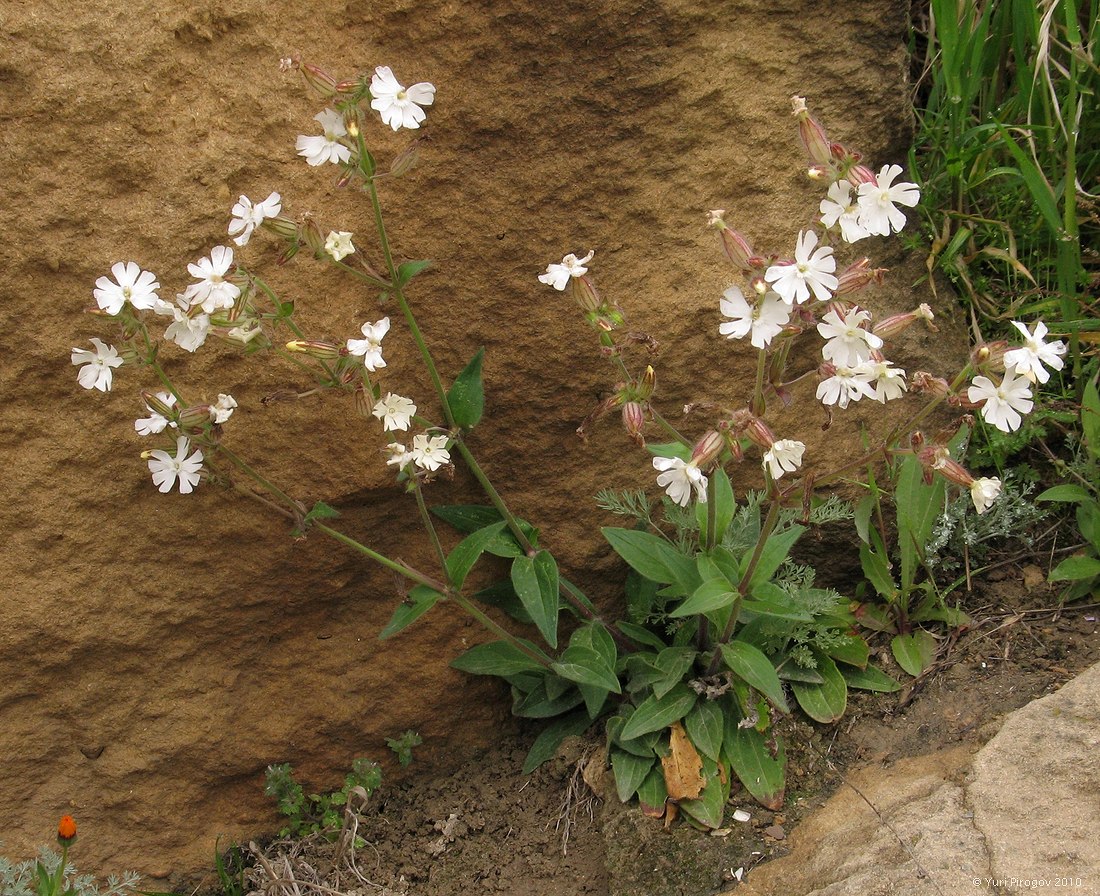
(682, 766)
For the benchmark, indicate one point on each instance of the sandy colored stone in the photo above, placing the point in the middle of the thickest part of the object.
(188, 641)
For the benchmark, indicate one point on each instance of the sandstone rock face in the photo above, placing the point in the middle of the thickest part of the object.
(157, 652)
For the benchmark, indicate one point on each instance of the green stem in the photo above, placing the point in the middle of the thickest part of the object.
(669, 428)
(400, 568)
(426, 519)
(758, 404)
(267, 485)
(478, 614)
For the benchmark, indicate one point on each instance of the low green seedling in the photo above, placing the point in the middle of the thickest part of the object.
(317, 813)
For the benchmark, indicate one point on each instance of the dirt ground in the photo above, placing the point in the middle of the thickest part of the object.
(489, 828)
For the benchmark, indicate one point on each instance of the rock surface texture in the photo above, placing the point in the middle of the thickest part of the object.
(1018, 816)
(157, 652)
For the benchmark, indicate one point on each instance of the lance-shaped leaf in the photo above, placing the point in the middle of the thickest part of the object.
(419, 601)
(655, 713)
(547, 743)
(462, 559)
(827, 701)
(585, 666)
(715, 594)
(630, 771)
(763, 774)
(653, 557)
(466, 397)
(750, 664)
(536, 582)
(499, 658)
(914, 652)
(705, 726)
(409, 269)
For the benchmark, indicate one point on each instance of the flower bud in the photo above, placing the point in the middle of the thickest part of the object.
(351, 122)
(990, 355)
(816, 172)
(758, 285)
(318, 79)
(66, 830)
(282, 227)
(322, 351)
(645, 386)
(195, 418)
(351, 85)
(311, 235)
(707, 450)
(861, 174)
(585, 294)
(812, 134)
(759, 433)
(736, 248)
(858, 275)
(406, 160)
(926, 384)
(634, 421)
(153, 402)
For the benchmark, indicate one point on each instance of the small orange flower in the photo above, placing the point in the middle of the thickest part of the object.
(66, 830)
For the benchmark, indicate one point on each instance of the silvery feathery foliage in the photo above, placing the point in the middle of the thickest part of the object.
(19, 879)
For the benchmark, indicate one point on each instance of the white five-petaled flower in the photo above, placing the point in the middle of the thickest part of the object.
(339, 244)
(1035, 356)
(878, 202)
(98, 365)
(212, 291)
(888, 381)
(133, 285)
(784, 456)
(395, 412)
(811, 270)
(840, 206)
(847, 343)
(765, 319)
(247, 217)
(223, 408)
(188, 329)
(155, 422)
(847, 384)
(167, 469)
(983, 492)
(399, 106)
(1004, 402)
(679, 478)
(398, 455)
(370, 348)
(317, 150)
(557, 275)
(430, 452)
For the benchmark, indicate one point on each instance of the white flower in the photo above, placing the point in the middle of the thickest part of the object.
(245, 333)
(784, 456)
(212, 291)
(848, 343)
(187, 330)
(97, 370)
(430, 452)
(339, 244)
(399, 107)
(394, 411)
(888, 382)
(845, 385)
(984, 492)
(155, 422)
(247, 217)
(557, 275)
(766, 319)
(370, 348)
(679, 477)
(325, 148)
(1004, 403)
(399, 455)
(222, 409)
(840, 206)
(134, 285)
(878, 211)
(1036, 355)
(811, 270)
(166, 469)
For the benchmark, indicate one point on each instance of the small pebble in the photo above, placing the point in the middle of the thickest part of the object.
(776, 832)
(742, 815)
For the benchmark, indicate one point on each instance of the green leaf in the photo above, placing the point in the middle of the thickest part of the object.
(771, 600)
(827, 701)
(751, 665)
(918, 506)
(656, 713)
(502, 595)
(714, 594)
(653, 557)
(870, 679)
(630, 771)
(321, 511)
(763, 775)
(722, 507)
(409, 269)
(862, 517)
(1090, 417)
(674, 663)
(705, 727)
(707, 810)
(420, 599)
(914, 652)
(776, 549)
(499, 658)
(546, 744)
(538, 704)
(669, 449)
(1075, 569)
(640, 635)
(641, 594)
(876, 567)
(462, 559)
(536, 582)
(585, 666)
(852, 650)
(1065, 493)
(653, 793)
(466, 397)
